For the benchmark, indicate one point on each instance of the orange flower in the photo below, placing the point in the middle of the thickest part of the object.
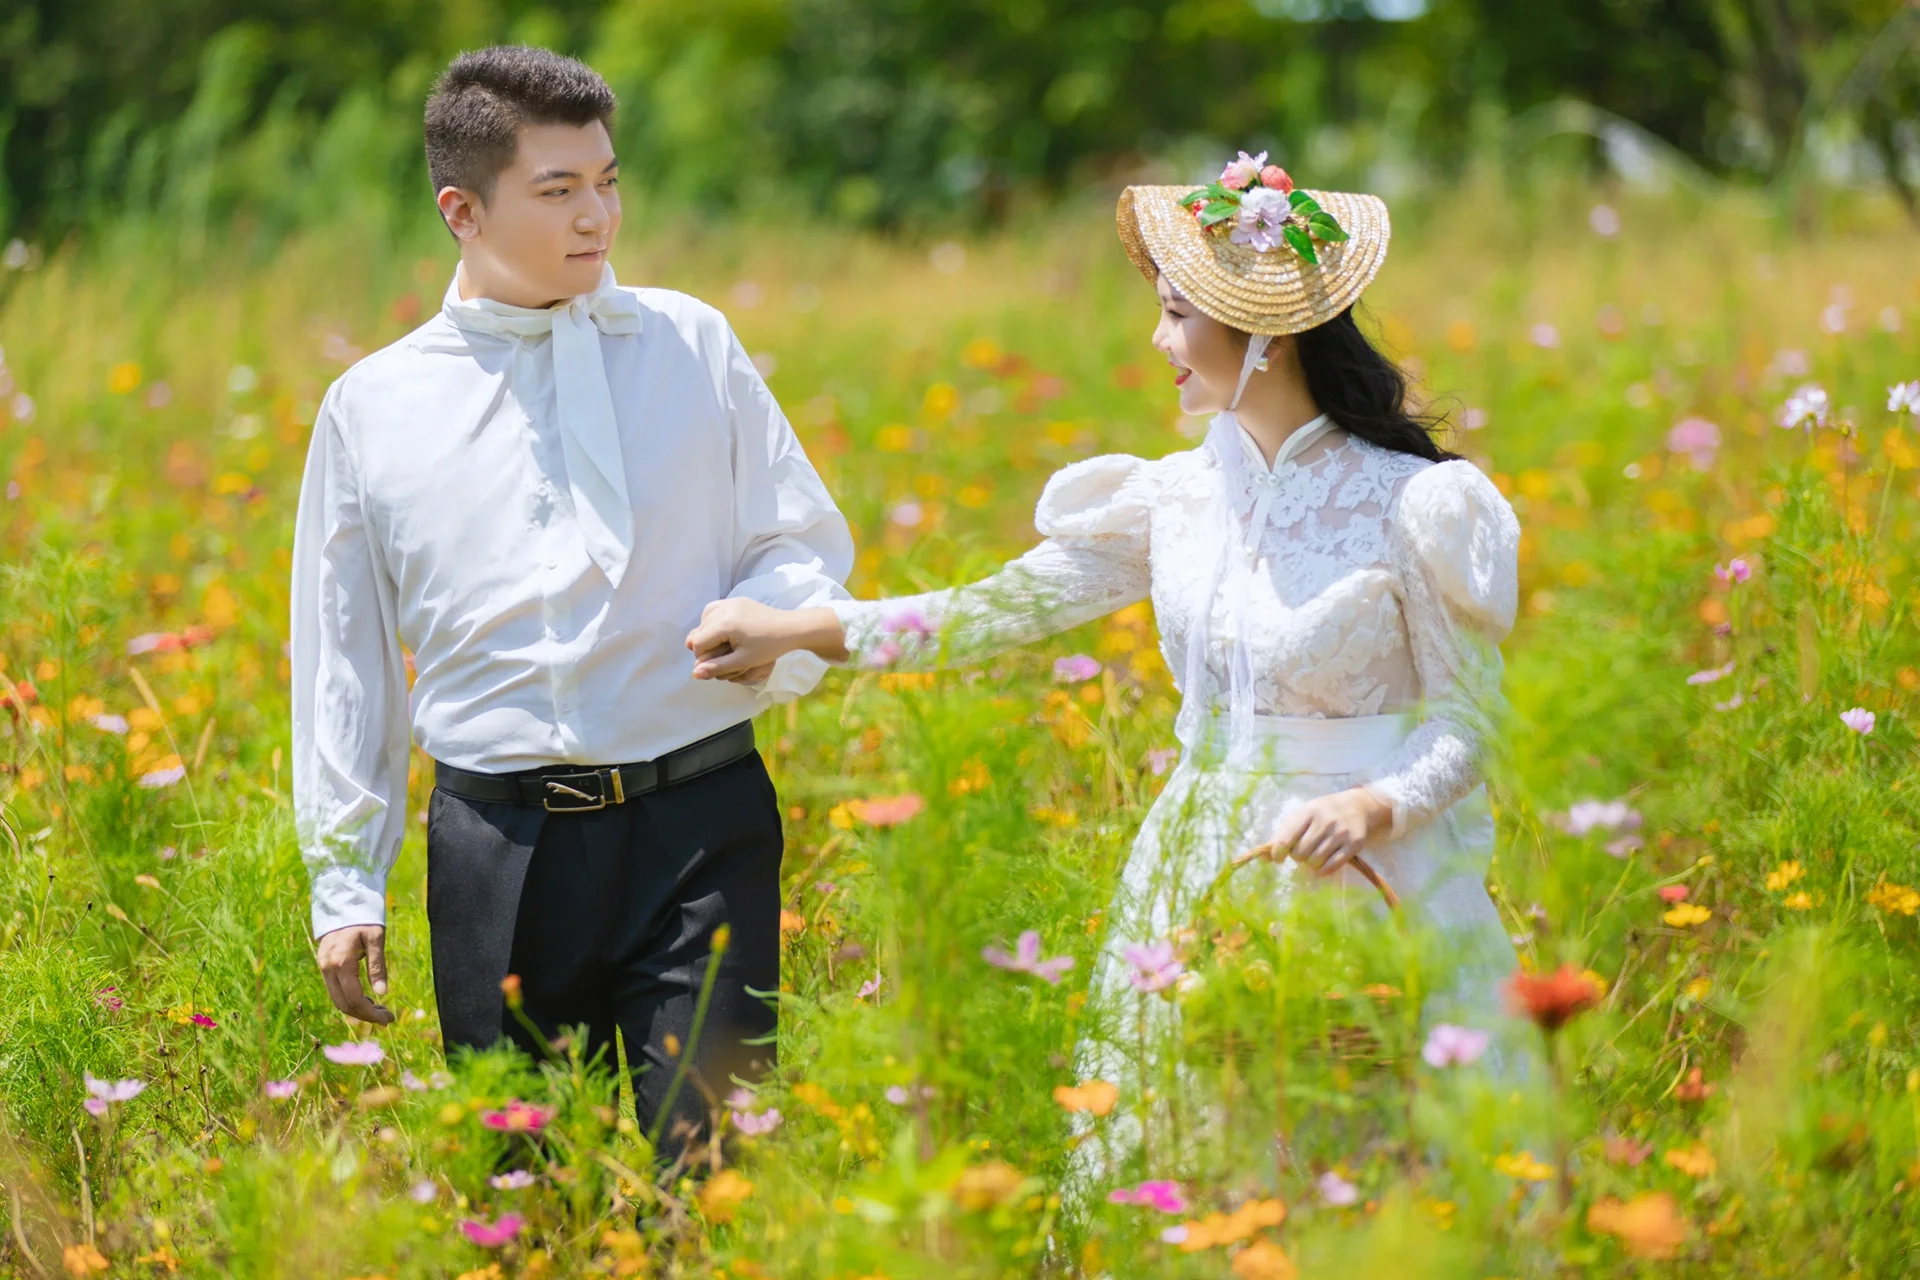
(985, 1185)
(1096, 1096)
(1694, 1161)
(1553, 999)
(723, 1194)
(1649, 1225)
(1228, 1228)
(1264, 1260)
(83, 1260)
(886, 811)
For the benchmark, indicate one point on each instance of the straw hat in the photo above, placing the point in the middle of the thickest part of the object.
(1272, 292)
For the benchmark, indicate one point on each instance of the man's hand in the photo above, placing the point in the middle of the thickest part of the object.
(339, 955)
(1327, 833)
(740, 639)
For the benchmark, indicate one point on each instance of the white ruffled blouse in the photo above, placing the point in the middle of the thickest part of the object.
(1382, 584)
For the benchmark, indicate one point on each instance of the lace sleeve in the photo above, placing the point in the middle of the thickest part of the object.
(1094, 561)
(1455, 550)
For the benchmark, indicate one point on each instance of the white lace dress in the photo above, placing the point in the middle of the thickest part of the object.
(1368, 621)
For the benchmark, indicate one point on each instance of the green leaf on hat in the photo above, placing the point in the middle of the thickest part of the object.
(1303, 204)
(1217, 212)
(1194, 197)
(1326, 227)
(1302, 245)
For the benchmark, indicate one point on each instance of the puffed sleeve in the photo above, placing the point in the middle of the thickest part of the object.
(1455, 551)
(1094, 517)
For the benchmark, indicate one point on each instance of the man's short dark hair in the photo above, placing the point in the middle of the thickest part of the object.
(480, 101)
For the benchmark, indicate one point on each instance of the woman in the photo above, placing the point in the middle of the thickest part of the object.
(1330, 585)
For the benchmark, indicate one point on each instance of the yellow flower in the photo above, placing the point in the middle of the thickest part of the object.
(723, 1195)
(1783, 875)
(1686, 914)
(1698, 988)
(1797, 902)
(940, 402)
(894, 439)
(1523, 1166)
(1694, 1161)
(985, 1185)
(1893, 898)
(123, 377)
(840, 818)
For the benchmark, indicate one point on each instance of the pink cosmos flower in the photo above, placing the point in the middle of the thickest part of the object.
(1600, 815)
(753, 1125)
(158, 778)
(1711, 674)
(354, 1053)
(1451, 1046)
(278, 1089)
(491, 1235)
(202, 1020)
(1163, 1196)
(1733, 572)
(424, 1191)
(1807, 407)
(412, 1083)
(1858, 719)
(1673, 893)
(1176, 1234)
(1075, 670)
(1154, 966)
(1244, 172)
(1697, 438)
(109, 723)
(518, 1117)
(1336, 1190)
(905, 621)
(899, 1095)
(107, 1000)
(1544, 336)
(871, 986)
(1026, 959)
(103, 1093)
(515, 1180)
(1160, 759)
(1904, 397)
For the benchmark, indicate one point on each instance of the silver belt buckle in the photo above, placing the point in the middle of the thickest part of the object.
(555, 788)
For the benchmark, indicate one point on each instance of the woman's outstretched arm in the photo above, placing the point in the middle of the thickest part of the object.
(1094, 561)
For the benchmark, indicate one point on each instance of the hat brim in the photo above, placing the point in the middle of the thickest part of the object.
(1276, 292)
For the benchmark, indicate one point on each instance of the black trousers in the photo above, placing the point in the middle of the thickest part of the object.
(607, 918)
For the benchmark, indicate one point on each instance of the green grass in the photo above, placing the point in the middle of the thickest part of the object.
(1796, 1151)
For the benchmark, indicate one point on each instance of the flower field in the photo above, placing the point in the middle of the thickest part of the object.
(1709, 850)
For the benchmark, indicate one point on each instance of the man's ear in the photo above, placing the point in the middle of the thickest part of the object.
(460, 208)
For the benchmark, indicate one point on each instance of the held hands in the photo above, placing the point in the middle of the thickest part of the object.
(339, 954)
(740, 640)
(1327, 833)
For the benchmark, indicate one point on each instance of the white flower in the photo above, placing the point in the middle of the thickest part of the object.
(1904, 396)
(1806, 407)
(1262, 217)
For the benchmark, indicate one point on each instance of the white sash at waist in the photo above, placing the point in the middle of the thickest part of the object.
(1302, 744)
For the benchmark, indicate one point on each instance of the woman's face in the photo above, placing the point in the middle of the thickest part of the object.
(1206, 355)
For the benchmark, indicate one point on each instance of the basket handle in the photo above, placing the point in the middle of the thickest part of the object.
(1273, 853)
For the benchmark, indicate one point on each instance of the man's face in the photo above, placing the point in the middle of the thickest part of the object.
(543, 234)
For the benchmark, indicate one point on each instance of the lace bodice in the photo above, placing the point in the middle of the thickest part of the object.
(1382, 583)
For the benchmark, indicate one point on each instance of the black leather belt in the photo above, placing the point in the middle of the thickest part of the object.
(572, 789)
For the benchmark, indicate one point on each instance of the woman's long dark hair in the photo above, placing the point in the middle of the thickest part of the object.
(1365, 392)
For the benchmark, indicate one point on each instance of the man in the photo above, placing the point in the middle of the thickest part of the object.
(535, 493)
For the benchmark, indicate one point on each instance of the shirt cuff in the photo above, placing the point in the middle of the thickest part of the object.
(794, 675)
(344, 896)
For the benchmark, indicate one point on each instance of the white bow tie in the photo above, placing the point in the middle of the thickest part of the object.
(589, 433)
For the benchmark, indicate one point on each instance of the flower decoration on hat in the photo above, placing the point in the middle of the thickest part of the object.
(1256, 204)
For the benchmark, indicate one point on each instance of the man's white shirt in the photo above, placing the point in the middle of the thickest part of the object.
(437, 513)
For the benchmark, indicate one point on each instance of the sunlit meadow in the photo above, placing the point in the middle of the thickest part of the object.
(1705, 792)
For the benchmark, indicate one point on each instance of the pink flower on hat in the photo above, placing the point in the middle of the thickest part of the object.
(1244, 172)
(1275, 177)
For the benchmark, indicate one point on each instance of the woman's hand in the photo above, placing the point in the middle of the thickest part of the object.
(740, 640)
(1327, 833)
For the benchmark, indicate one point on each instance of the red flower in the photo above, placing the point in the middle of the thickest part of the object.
(1276, 177)
(22, 694)
(1552, 999)
(1694, 1088)
(1673, 893)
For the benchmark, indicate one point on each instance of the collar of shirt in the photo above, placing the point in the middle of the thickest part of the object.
(589, 433)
